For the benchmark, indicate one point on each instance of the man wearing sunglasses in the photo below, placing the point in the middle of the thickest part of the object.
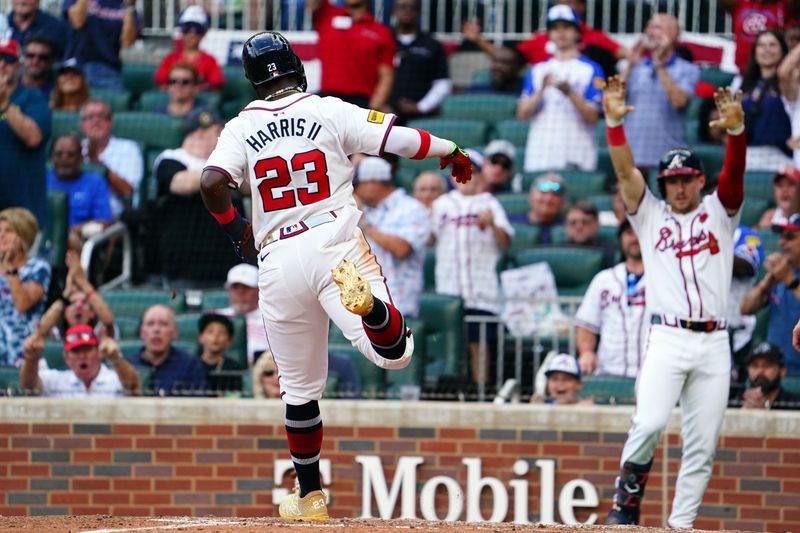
(546, 201)
(687, 248)
(356, 52)
(37, 64)
(24, 129)
(87, 376)
(498, 167)
(780, 291)
(27, 20)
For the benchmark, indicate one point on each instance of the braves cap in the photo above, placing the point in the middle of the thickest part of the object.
(81, 335)
(194, 15)
(562, 13)
(565, 363)
(9, 47)
(244, 274)
(373, 169)
(680, 161)
(475, 157)
(767, 351)
(500, 147)
(200, 118)
(790, 172)
(70, 64)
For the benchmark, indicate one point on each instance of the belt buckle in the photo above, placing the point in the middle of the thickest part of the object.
(688, 324)
(710, 326)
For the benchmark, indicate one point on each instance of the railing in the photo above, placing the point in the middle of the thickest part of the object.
(112, 234)
(501, 19)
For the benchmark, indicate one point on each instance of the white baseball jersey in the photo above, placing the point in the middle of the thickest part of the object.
(619, 317)
(466, 254)
(64, 383)
(295, 153)
(688, 257)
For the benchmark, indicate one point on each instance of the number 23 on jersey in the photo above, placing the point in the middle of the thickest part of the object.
(276, 172)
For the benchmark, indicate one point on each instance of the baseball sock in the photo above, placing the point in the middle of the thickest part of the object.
(386, 330)
(304, 432)
(630, 489)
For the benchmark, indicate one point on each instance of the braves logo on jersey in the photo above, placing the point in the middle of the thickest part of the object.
(705, 240)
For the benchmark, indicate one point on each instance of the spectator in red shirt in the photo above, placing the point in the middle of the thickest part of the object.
(751, 17)
(193, 24)
(356, 53)
(595, 44)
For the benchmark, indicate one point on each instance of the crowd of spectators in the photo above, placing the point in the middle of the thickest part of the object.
(52, 64)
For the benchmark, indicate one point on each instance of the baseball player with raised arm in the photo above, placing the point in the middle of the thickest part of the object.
(314, 264)
(687, 247)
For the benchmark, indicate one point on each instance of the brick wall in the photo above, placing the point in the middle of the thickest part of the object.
(175, 457)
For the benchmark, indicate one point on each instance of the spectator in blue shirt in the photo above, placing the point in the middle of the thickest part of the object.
(38, 57)
(89, 198)
(101, 28)
(24, 130)
(27, 20)
(659, 89)
(173, 372)
(780, 290)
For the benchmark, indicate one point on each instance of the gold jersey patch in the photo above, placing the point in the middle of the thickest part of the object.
(376, 117)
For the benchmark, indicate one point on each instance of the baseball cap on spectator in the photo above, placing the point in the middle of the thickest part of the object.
(194, 17)
(200, 118)
(790, 172)
(792, 224)
(562, 13)
(210, 318)
(500, 147)
(767, 351)
(550, 182)
(9, 48)
(244, 274)
(475, 157)
(81, 335)
(70, 65)
(564, 363)
(373, 169)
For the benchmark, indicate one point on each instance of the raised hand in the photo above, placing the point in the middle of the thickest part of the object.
(731, 114)
(614, 105)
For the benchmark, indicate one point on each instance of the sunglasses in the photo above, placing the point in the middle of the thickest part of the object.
(40, 57)
(268, 373)
(550, 186)
(788, 235)
(75, 337)
(500, 161)
(9, 59)
(180, 81)
(406, 7)
(66, 153)
(191, 27)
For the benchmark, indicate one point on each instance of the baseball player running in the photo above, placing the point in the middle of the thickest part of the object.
(293, 148)
(687, 248)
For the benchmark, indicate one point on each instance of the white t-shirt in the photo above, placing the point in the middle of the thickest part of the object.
(64, 383)
(559, 138)
(620, 319)
(123, 157)
(294, 151)
(466, 254)
(688, 257)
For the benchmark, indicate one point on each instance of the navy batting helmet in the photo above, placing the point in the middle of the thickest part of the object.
(678, 162)
(268, 56)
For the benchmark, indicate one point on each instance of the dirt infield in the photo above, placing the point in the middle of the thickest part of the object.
(123, 524)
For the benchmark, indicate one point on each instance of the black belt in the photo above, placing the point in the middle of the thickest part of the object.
(702, 326)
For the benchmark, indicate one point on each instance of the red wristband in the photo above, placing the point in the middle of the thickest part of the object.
(616, 135)
(424, 146)
(226, 217)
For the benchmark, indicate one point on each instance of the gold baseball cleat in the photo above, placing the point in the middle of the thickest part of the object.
(355, 291)
(311, 508)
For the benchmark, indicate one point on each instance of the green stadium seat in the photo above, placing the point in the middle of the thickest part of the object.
(404, 177)
(481, 77)
(373, 378)
(604, 164)
(128, 327)
(608, 235)
(466, 133)
(230, 108)
(236, 86)
(513, 130)
(9, 381)
(429, 269)
(600, 133)
(130, 348)
(153, 129)
(134, 302)
(119, 101)
(791, 384)
(573, 266)
(487, 107)
(414, 373)
(762, 323)
(54, 237)
(444, 335)
(215, 300)
(514, 203)
(416, 166)
(155, 101)
(187, 326)
(64, 122)
(769, 240)
(712, 156)
(693, 109)
(602, 201)
(690, 131)
(605, 390)
(758, 184)
(580, 184)
(525, 236)
(54, 354)
(138, 77)
(716, 77)
(752, 209)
